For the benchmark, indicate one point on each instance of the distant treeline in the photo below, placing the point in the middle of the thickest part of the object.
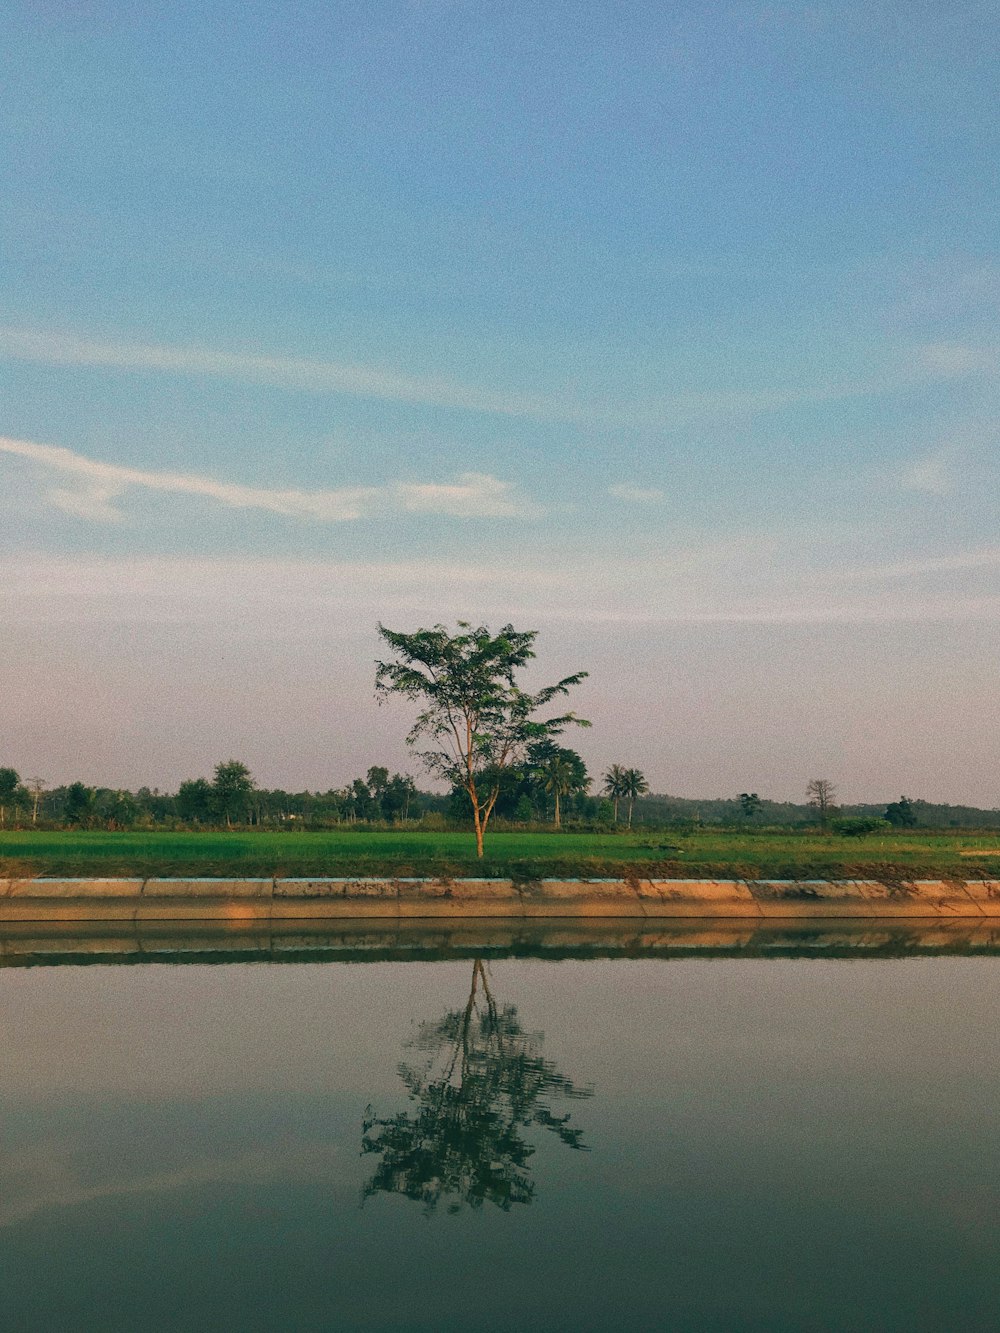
(231, 798)
(674, 811)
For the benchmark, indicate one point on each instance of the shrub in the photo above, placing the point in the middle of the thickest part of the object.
(435, 822)
(860, 826)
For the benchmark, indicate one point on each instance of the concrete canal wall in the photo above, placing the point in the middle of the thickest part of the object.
(286, 899)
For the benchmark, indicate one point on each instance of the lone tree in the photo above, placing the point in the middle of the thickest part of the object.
(820, 793)
(478, 720)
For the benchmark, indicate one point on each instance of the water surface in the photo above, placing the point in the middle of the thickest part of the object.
(790, 1131)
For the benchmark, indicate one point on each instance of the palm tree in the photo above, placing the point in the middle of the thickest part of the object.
(635, 785)
(614, 785)
(559, 776)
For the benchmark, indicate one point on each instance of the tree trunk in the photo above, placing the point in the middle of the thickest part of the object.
(630, 804)
(616, 809)
(557, 822)
(479, 834)
(478, 818)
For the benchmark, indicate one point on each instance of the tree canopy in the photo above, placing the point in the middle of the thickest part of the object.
(231, 789)
(634, 785)
(750, 804)
(821, 794)
(614, 786)
(558, 771)
(478, 720)
(9, 784)
(901, 814)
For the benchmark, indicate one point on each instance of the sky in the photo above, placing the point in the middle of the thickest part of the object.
(667, 330)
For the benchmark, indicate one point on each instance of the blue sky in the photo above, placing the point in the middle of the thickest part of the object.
(669, 330)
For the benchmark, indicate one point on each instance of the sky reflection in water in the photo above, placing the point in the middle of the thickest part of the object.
(770, 1143)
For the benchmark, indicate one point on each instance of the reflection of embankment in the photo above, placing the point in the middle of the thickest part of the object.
(27, 944)
(480, 1086)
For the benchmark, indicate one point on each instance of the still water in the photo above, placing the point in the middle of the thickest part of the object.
(755, 1131)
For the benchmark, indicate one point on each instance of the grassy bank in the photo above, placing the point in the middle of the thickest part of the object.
(709, 853)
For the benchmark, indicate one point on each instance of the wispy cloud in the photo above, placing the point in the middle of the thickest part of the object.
(336, 597)
(98, 486)
(288, 372)
(640, 495)
(946, 288)
(984, 557)
(473, 495)
(964, 457)
(931, 474)
(677, 409)
(952, 360)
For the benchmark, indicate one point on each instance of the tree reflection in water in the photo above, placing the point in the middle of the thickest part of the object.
(483, 1082)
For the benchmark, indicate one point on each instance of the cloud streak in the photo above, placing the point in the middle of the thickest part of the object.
(984, 557)
(640, 495)
(337, 596)
(681, 408)
(98, 486)
(931, 475)
(956, 360)
(283, 371)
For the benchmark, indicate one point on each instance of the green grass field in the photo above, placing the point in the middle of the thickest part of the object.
(711, 853)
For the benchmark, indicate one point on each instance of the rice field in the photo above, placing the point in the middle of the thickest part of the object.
(528, 855)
